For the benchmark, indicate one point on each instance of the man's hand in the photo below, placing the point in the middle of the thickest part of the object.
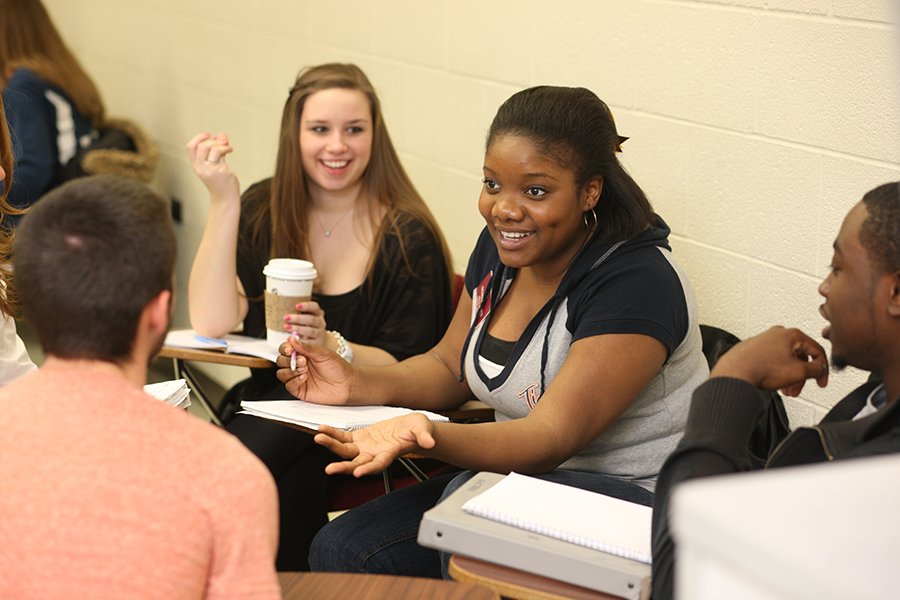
(777, 359)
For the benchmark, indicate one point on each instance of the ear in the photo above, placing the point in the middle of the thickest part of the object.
(592, 190)
(158, 312)
(894, 289)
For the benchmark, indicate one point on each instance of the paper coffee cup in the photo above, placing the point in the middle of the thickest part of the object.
(288, 281)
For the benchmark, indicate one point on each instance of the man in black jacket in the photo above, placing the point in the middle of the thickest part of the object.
(862, 307)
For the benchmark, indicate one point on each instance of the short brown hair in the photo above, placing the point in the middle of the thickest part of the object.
(88, 259)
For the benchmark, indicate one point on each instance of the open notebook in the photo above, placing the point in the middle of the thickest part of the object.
(231, 343)
(529, 528)
(311, 416)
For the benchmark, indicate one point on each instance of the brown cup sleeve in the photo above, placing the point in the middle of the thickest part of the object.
(278, 306)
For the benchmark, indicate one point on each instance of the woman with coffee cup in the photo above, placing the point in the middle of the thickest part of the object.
(341, 200)
(577, 327)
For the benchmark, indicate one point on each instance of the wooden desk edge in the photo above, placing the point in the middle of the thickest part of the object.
(215, 356)
(512, 583)
(319, 586)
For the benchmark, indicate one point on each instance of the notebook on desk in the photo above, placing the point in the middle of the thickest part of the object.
(450, 528)
(312, 416)
(230, 343)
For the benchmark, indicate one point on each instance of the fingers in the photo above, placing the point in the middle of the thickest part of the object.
(194, 142)
(296, 375)
(309, 322)
(206, 148)
(292, 344)
(342, 446)
(336, 468)
(813, 355)
(312, 334)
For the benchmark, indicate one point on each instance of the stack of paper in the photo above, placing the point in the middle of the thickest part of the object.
(231, 343)
(311, 416)
(174, 392)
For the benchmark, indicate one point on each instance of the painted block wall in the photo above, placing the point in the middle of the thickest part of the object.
(754, 124)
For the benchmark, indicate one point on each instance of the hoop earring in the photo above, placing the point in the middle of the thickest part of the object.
(587, 225)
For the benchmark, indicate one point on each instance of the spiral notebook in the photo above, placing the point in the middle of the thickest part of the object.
(450, 528)
(566, 513)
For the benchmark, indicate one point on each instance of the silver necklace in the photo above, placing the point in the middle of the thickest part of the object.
(328, 231)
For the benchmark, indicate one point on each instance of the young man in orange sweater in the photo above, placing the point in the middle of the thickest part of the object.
(108, 492)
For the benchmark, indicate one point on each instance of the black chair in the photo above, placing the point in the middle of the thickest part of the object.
(773, 425)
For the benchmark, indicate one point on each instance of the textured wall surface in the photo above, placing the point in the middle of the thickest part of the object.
(754, 124)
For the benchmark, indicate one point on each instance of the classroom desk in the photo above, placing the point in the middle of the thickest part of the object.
(518, 585)
(338, 586)
(182, 356)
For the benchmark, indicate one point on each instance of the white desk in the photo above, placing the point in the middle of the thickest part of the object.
(828, 531)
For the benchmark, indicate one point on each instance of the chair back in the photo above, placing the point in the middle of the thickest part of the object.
(773, 426)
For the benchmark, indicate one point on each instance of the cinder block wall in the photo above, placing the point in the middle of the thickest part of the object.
(754, 124)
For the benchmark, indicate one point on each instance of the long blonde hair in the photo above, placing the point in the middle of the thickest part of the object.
(8, 304)
(29, 39)
(385, 180)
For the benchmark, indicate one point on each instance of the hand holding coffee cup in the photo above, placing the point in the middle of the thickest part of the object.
(308, 322)
(289, 282)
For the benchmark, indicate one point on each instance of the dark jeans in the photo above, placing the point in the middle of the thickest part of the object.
(380, 536)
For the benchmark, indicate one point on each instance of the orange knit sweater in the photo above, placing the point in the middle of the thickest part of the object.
(106, 492)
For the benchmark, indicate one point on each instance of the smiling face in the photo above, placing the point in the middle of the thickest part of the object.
(850, 293)
(335, 139)
(533, 207)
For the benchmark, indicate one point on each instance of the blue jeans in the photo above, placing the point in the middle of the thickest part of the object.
(380, 536)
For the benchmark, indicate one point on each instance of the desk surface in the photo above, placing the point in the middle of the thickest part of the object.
(327, 586)
(215, 356)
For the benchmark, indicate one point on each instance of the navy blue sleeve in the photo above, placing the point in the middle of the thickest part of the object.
(481, 261)
(639, 292)
(32, 129)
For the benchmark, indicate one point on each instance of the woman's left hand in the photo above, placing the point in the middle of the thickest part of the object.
(309, 324)
(373, 449)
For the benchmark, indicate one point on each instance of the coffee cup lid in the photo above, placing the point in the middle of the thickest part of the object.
(289, 268)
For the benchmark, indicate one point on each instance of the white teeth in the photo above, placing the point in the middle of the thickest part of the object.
(335, 164)
(514, 235)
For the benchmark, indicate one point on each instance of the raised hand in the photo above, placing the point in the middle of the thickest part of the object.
(373, 449)
(207, 155)
(319, 375)
(777, 359)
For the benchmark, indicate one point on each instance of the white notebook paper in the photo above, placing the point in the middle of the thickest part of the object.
(175, 392)
(566, 513)
(232, 343)
(311, 416)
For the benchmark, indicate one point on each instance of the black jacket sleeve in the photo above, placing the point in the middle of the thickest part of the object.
(723, 415)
